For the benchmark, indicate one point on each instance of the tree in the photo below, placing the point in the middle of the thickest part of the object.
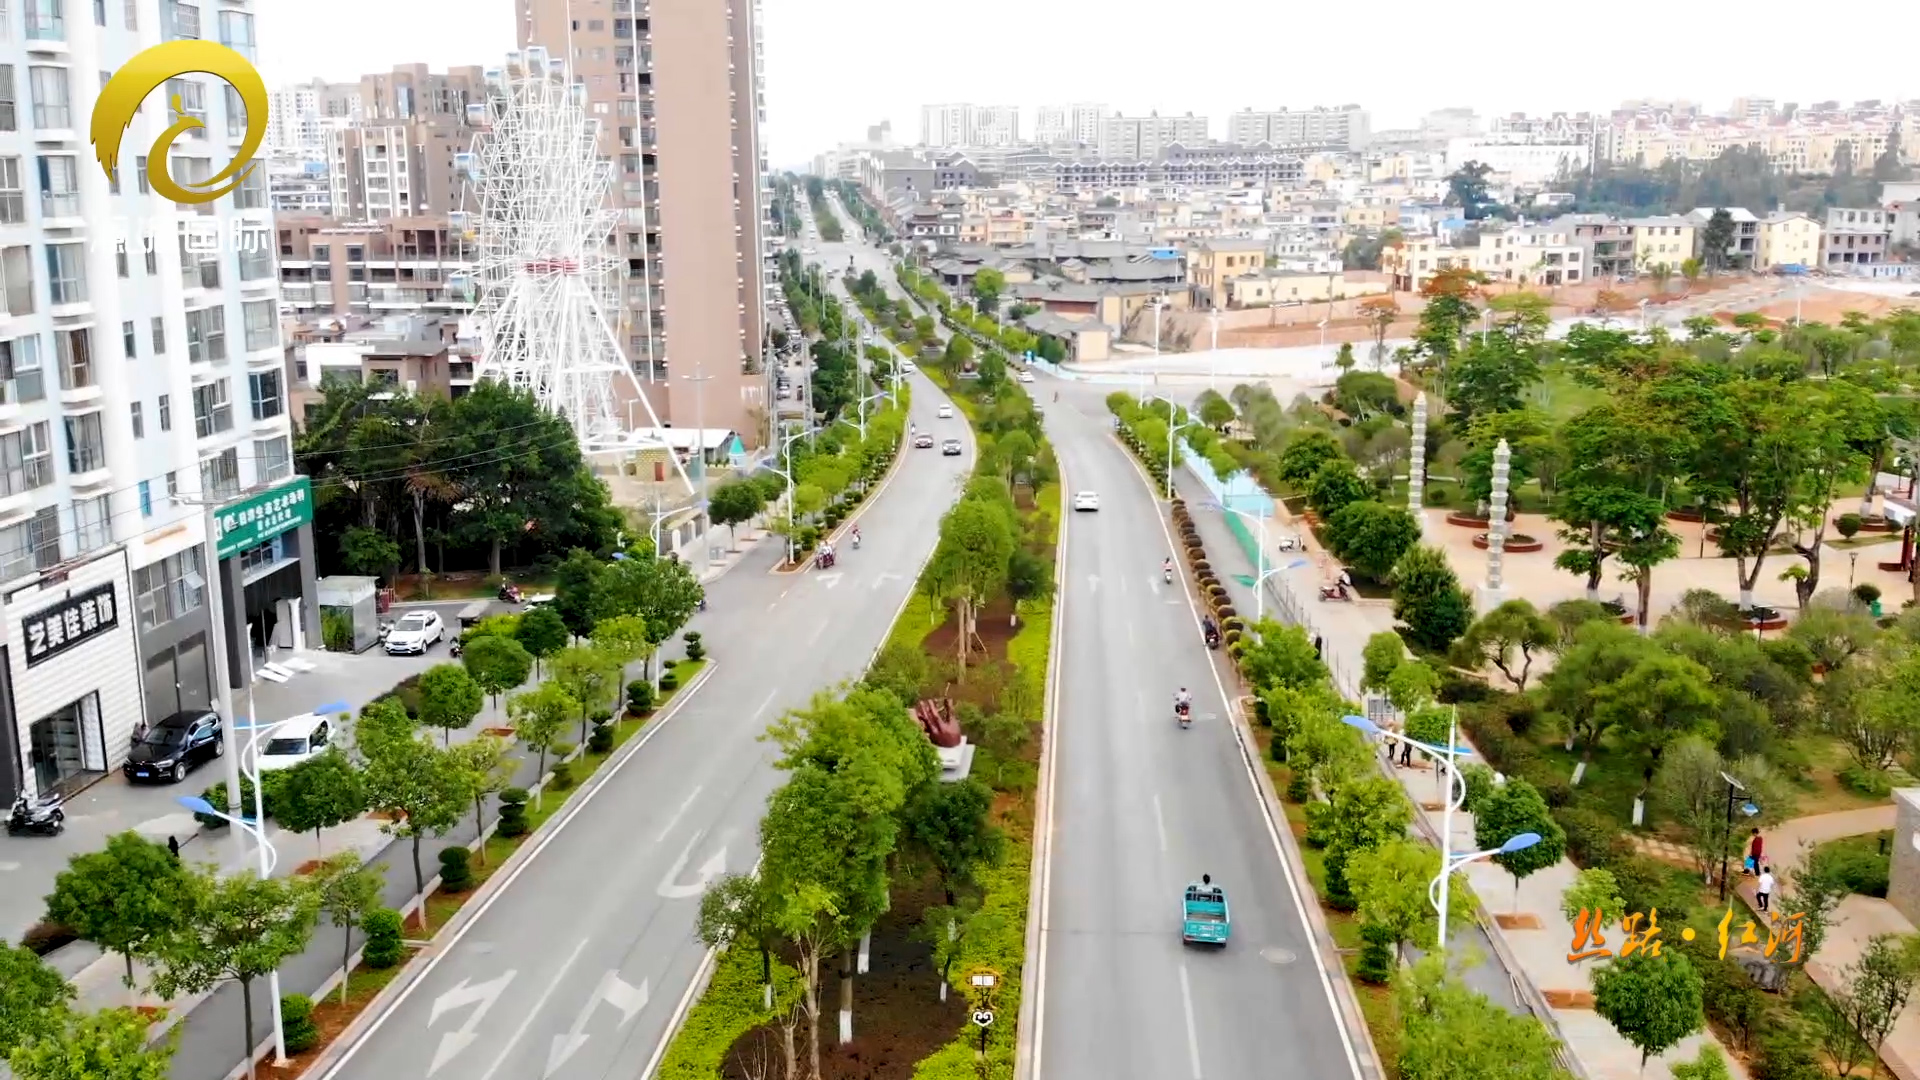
(622, 639)
(1711, 1064)
(237, 928)
(1379, 313)
(1593, 890)
(1383, 653)
(449, 699)
(1334, 487)
(663, 592)
(538, 715)
(1508, 810)
(576, 591)
(1507, 637)
(950, 826)
(1427, 597)
(319, 793)
(1449, 1032)
(542, 632)
(1391, 883)
(349, 889)
(1370, 537)
(1448, 312)
(1715, 238)
(1652, 1001)
(1215, 411)
(1365, 813)
(369, 552)
(1690, 269)
(106, 1045)
(956, 933)
(1490, 374)
(1305, 453)
(737, 909)
(1690, 790)
(489, 770)
(1278, 655)
(1879, 985)
(496, 664)
(988, 285)
(976, 544)
(125, 899)
(1657, 700)
(422, 789)
(35, 1001)
(588, 675)
(1411, 686)
(735, 503)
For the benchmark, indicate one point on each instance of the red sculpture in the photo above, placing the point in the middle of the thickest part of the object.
(936, 719)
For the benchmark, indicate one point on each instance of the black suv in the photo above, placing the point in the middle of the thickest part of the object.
(174, 745)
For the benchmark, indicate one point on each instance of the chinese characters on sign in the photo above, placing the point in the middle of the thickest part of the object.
(259, 518)
(70, 623)
(1590, 944)
(202, 236)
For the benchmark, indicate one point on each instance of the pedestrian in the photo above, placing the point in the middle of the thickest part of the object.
(1406, 753)
(1765, 889)
(173, 848)
(1756, 851)
(1318, 646)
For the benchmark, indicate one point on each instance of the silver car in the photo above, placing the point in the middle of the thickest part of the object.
(415, 633)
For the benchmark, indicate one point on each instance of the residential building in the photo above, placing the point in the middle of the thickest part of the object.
(415, 354)
(1744, 247)
(1609, 242)
(1661, 241)
(395, 156)
(1345, 127)
(1050, 125)
(140, 390)
(1901, 200)
(679, 88)
(1518, 158)
(395, 266)
(1788, 239)
(1276, 288)
(1136, 137)
(960, 125)
(1211, 264)
(1548, 255)
(1855, 237)
(1409, 263)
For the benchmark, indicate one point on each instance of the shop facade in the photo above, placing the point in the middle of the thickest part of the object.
(70, 686)
(264, 544)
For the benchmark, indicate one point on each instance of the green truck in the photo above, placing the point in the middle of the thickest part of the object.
(1204, 919)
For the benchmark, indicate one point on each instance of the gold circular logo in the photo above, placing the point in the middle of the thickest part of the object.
(124, 93)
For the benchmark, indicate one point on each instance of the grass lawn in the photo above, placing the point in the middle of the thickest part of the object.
(1861, 540)
(464, 585)
(1559, 396)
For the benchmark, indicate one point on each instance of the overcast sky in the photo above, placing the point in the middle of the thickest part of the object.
(836, 66)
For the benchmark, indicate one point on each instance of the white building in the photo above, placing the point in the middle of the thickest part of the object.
(1345, 127)
(1125, 138)
(1077, 123)
(962, 125)
(140, 378)
(1520, 159)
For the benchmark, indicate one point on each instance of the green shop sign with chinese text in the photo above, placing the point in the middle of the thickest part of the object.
(257, 519)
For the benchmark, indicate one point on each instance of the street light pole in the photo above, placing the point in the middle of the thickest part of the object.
(1734, 790)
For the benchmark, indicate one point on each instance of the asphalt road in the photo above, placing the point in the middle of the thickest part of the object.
(576, 968)
(1142, 807)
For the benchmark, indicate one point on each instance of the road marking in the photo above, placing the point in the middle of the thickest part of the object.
(1033, 1011)
(539, 1004)
(1160, 824)
(774, 604)
(481, 998)
(678, 814)
(672, 888)
(762, 710)
(814, 638)
(1193, 1033)
(614, 991)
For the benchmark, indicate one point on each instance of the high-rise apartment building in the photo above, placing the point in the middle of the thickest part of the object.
(395, 157)
(961, 125)
(1079, 123)
(1344, 127)
(1050, 125)
(140, 387)
(1131, 137)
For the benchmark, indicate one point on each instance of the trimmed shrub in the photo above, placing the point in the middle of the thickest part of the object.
(513, 812)
(639, 696)
(1277, 750)
(1593, 840)
(456, 868)
(1319, 818)
(600, 739)
(1260, 712)
(1377, 960)
(562, 775)
(382, 929)
(695, 650)
(1227, 612)
(669, 682)
(1231, 637)
(296, 1023)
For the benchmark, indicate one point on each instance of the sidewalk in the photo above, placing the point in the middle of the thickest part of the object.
(1539, 950)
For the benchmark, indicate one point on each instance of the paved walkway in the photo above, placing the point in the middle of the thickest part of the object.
(1535, 954)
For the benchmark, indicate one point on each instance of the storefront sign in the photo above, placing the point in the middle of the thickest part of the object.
(72, 622)
(259, 518)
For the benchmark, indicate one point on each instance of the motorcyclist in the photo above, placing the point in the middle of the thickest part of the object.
(1207, 627)
(1182, 701)
(1166, 566)
(856, 536)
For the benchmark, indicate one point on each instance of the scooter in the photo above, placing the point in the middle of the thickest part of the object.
(454, 648)
(42, 817)
(1183, 713)
(824, 560)
(1336, 592)
(1289, 543)
(509, 594)
(856, 541)
(1167, 572)
(385, 629)
(1213, 639)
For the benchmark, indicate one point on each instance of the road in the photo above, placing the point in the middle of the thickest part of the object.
(1142, 807)
(576, 968)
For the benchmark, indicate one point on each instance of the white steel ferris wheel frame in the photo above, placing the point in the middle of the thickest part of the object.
(547, 279)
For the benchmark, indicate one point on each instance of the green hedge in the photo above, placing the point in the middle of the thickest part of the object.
(729, 1009)
(1005, 894)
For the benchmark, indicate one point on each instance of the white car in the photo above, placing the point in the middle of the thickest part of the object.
(908, 367)
(945, 412)
(295, 740)
(415, 633)
(1026, 376)
(1086, 500)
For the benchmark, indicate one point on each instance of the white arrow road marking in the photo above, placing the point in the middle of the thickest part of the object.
(829, 579)
(672, 889)
(884, 577)
(613, 990)
(482, 999)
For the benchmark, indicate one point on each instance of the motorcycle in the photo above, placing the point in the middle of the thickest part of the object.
(856, 541)
(509, 594)
(824, 560)
(42, 817)
(454, 648)
(1289, 543)
(1335, 592)
(1213, 638)
(1183, 712)
(385, 629)
(1167, 572)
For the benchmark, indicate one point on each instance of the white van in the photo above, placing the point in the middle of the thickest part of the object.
(294, 741)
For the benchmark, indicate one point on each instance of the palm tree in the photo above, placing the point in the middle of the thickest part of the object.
(1690, 269)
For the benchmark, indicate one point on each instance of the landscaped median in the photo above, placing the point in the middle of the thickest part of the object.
(867, 850)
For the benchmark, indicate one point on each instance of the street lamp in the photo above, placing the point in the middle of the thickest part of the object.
(1449, 862)
(1448, 757)
(1261, 571)
(1735, 789)
(861, 424)
(699, 382)
(786, 451)
(1173, 429)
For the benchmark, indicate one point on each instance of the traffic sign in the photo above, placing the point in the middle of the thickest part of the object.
(983, 1017)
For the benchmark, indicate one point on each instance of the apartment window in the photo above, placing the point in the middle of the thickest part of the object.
(165, 591)
(140, 170)
(173, 487)
(74, 349)
(198, 269)
(129, 340)
(321, 253)
(46, 20)
(236, 113)
(266, 394)
(121, 265)
(13, 198)
(152, 260)
(191, 95)
(236, 32)
(146, 498)
(91, 528)
(356, 253)
(132, 14)
(263, 331)
(159, 338)
(9, 101)
(26, 460)
(99, 12)
(51, 107)
(207, 335)
(166, 424)
(67, 273)
(220, 475)
(273, 458)
(139, 421)
(86, 446)
(16, 277)
(20, 378)
(32, 545)
(60, 186)
(256, 263)
(212, 409)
